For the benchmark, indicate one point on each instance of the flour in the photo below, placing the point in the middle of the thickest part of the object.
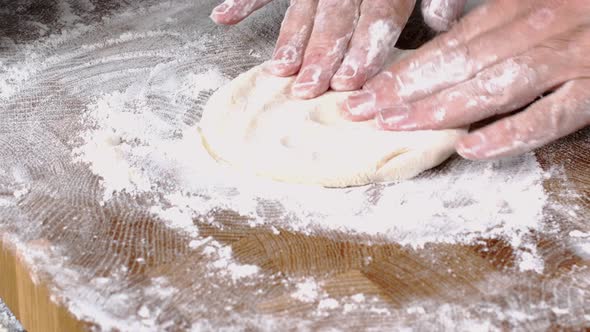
(328, 304)
(140, 79)
(307, 291)
(466, 201)
(381, 35)
(135, 151)
(8, 322)
(310, 291)
(580, 242)
(583, 249)
(222, 263)
(206, 81)
(469, 200)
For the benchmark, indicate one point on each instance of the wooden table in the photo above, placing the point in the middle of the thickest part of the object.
(70, 263)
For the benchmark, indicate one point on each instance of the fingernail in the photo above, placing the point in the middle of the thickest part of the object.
(396, 117)
(361, 103)
(221, 9)
(344, 79)
(283, 58)
(306, 81)
(345, 72)
(471, 146)
(437, 16)
(309, 76)
(285, 55)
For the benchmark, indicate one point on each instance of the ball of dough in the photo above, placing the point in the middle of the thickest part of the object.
(253, 123)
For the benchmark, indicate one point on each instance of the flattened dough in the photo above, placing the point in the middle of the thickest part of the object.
(253, 123)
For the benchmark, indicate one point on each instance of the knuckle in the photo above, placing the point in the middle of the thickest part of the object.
(315, 54)
(465, 53)
(493, 87)
(479, 90)
(442, 43)
(578, 49)
(578, 99)
(510, 3)
(458, 60)
(295, 36)
(569, 52)
(322, 54)
(302, 3)
(381, 7)
(337, 5)
(299, 8)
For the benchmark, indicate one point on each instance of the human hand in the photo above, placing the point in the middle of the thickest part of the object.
(498, 59)
(337, 43)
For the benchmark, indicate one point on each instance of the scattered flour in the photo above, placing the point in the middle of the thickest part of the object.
(223, 264)
(21, 192)
(360, 297)
(580, 242)
(328, 304)
(579, 234)
(139, 140)
(310, 290)
(307, 291)
(134, 151)
(211, 79)
(8, 322)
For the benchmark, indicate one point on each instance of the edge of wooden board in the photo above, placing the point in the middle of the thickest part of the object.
(29, 301)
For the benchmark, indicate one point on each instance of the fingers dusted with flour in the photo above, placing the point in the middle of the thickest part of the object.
(562, 113)
(333, 27)
(328, 43)
(470, 47)
(497, 60)
(499, 89)
(234, 11)
(379, 26)
(295, 32)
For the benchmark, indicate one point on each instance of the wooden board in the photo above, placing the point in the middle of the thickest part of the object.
(70, 263)
(396, 277)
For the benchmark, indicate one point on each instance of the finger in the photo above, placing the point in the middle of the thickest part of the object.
(295, 32)
(555, 116)
(233, 11)
(333, 26)
(380, 25)
(479, 21)
(365, 104)
(501, 88)
(447, 61)
(441, 14)
(455, 64)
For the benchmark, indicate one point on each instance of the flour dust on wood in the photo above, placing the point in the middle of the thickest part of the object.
(114, 100)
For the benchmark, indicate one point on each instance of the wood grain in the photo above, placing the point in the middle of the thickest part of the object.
(71, 263)
(30, 299)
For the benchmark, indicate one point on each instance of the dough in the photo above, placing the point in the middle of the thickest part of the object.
(253, 123)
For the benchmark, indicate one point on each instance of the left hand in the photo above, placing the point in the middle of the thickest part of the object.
(499, 58)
